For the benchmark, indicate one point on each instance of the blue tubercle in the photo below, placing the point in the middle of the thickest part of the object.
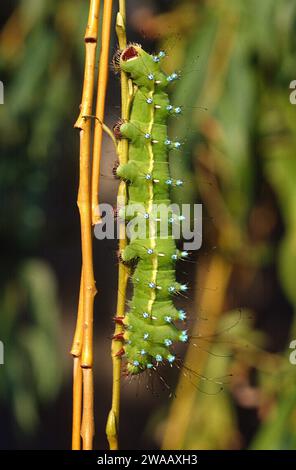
(183, 287)
(183, 336)
(172, 77)
(182, 315)
(177, 145)
(171, 358)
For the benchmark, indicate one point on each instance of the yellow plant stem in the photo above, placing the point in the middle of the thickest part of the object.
(78, 335)
(82, 348)
(100, 108)
(77, 372)
(211, 284)
(112, 426)
(87, 426)
(77, 403)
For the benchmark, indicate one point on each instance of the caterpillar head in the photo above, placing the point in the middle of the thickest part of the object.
(142, 67)
(126, 54)
(132, 51)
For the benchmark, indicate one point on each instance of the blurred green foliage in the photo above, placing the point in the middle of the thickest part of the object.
(37, 65)
(40, 65)
(30, 332)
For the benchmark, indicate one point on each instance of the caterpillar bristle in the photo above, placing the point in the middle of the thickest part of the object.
(116, 129)
(129, 264)
(115, 213)
(115, 63)
(114, 169)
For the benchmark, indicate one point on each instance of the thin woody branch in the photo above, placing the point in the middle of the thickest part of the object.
(83, 339)
(100, 109)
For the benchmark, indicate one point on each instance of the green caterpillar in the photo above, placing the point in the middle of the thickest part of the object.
(150, 328)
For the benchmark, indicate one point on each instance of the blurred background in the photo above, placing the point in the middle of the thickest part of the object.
(239, 160)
